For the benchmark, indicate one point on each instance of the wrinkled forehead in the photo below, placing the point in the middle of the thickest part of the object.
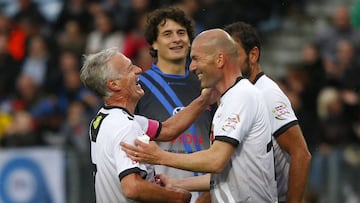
(120, 62)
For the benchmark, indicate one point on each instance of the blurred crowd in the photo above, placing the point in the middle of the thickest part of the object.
(324, 90)
(43, 102)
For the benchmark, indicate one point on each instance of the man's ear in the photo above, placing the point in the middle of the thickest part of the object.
(254, 55)
(219, 59)
(155, 46)
(113, 84)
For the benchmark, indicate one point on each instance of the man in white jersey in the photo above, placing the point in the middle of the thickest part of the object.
(292, 157)
(240, 158)
(118, 179)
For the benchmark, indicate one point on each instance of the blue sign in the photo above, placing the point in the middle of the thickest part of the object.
(22, 181)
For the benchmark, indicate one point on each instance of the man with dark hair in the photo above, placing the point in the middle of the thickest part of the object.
(292, 158)
(169, 85)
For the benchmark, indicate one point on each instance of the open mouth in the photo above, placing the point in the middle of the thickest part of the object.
(176, 48)
(137, 83)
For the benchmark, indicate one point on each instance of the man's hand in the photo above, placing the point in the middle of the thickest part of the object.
(146, 153)
(164, 180)
(210, 95)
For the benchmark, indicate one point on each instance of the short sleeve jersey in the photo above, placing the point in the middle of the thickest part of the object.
(241, 120)
(111, 126)
(282, 117)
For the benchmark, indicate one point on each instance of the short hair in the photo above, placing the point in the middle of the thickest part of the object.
(158, 16)
(95, 71)
(246, 34)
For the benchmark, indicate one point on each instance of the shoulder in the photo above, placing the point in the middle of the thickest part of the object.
(269, 88)
(243, 92)
(114, 116)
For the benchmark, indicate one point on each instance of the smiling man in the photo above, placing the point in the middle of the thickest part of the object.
(169, 85)
(118, 179)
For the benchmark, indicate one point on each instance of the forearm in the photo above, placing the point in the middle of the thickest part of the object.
(211, 160)
(196, 183)
(298, 175)
(198, 161)
(166, 195)
(293, 142)
(138, 189)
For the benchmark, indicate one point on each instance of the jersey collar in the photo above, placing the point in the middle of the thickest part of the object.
(236, 81)
(118, 107)
(257, 77)
(156, 69)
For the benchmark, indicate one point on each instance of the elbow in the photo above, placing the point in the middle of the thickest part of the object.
(167, 132)
(130, 191)
(302, 156)
(307, 157)
(216, 167)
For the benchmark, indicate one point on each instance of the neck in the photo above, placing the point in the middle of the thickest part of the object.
(121, 102)
(254, 72)
(174, 68)
(228, 79)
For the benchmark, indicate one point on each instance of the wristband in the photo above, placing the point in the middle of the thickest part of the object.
(153, 129)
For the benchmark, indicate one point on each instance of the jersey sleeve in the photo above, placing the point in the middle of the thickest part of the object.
(233, 120)
(151, 127)
(124, 165)
(281, 114)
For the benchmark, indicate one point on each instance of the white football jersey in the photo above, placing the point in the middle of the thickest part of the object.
(282, 117)
(111, 126)
(242, 120)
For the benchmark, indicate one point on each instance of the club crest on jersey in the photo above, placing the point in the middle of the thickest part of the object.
(280, 111)
(177, 109)
(97, 121)
(230, 122)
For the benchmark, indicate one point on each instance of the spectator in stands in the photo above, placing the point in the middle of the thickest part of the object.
(135, 46)
(9, 68)
(313, 67)
(74, 10)
(326, 40)
(190, 8)
(28, 9)
(40, 65)
(25, 100)
(336, 132)
(71, 38)
(348, 65)
(72, 89)
(5, 24)
(21, 132)
(104, 35)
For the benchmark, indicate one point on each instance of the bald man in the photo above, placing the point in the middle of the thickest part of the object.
(240, 160)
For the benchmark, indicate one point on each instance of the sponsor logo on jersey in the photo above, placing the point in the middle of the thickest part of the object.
(230, 122)
(189, 139)
(177, 109)
(280, 111)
